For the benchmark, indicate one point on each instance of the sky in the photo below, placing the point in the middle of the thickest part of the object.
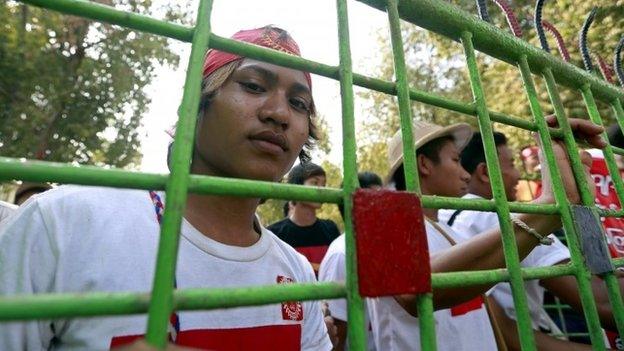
(312, 23)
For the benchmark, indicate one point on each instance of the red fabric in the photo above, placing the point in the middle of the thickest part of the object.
(314, 254)
(467, 306)
(265, 338)
(606, 198)
(260, 36)
(392, 251)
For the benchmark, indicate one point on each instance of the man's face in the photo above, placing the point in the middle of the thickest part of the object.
(510, 173)
(448, 177)
(256, 124)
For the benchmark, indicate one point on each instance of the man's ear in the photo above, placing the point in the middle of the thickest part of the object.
(424, 164)
(481, 172)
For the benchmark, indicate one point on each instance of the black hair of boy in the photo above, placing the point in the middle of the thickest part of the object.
(430, 150)
(474, 152)
(366, 180)
(303, 171)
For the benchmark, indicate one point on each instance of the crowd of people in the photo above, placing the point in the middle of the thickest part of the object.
(255, 119)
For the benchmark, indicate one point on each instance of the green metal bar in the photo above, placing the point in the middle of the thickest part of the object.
(108, 14)
(613, 287)
(161, 305)
(356, 330)
(40, 171)
(510, 249)
(594, 115)
(447, 19)
(582, 275)
(619, 114)
(424, 302)
(51, 306)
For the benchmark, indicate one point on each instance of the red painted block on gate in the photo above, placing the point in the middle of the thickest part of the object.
(391, 242)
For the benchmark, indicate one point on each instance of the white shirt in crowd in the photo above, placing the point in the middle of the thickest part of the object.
(470, 223)
(462, 328)
(333, 269)
(87, 239)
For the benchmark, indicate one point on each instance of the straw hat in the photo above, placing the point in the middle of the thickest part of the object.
(424, 132)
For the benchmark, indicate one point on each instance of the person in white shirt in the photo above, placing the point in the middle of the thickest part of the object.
(255, 119)
(333, 269)
(470, 223)
(462, 322)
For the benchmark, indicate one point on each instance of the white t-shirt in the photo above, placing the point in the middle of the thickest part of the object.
(470, 223)
(87, 239)
(462, 328)
(333, 268)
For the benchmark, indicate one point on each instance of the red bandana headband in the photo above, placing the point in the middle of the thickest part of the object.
(267, 37)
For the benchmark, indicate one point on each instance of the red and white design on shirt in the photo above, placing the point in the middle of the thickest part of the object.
(606, 198)
(291, 310)
(262, 338)
(468, 306)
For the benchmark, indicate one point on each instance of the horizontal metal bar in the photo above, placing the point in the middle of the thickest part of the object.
(41, 171)
(48, 306)
(109, 14)
(484, 205)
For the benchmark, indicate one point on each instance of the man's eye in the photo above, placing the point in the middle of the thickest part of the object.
(300, 104)
(252, 87)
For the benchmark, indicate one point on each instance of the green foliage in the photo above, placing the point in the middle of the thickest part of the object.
(72, 90)
(437, 65)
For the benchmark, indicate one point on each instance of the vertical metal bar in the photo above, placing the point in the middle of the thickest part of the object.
(525, 328)
(424, 302)
(356, 330)
(582, 275)
(586, 196)
(613, 288)
(594, 115)
(619, 115)
(161, 304)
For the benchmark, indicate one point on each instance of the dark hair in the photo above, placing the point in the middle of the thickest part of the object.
(430, 150)
(474, 153)
(303, 171)
(616, 138)
(366, 180)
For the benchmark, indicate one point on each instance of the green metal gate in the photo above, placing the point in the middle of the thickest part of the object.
(433, 15)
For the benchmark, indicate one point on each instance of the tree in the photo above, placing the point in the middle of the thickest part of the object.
(72, 90)
(437, 65)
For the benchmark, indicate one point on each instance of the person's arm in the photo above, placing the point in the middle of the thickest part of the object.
(544, 342)
(485, 251)
(566, 289)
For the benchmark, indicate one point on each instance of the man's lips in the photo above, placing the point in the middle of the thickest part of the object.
(270, 141)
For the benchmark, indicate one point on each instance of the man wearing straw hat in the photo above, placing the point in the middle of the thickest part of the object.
(462, 321)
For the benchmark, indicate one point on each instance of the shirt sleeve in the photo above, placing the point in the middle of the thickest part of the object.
(315, 337)
(333, 269)
(28, 257)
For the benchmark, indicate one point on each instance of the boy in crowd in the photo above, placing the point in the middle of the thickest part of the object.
(301, 229)
(333, 269)
(470, 223)
(462, 322)
(255, 119)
